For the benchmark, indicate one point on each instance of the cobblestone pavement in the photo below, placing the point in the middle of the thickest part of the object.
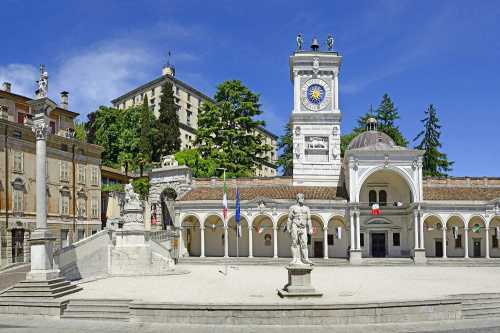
(17, 324)
(12, 276)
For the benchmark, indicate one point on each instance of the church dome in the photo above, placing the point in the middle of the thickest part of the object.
(372, 140)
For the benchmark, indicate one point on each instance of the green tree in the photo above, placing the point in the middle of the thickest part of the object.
(167, 139)
(201, 167)
(387, 114)
(227, 132)
(90, 127)
(435, 163)
(80, 133)
(106, 128)
(285, 143)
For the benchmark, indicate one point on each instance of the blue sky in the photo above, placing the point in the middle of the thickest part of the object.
(420, 52)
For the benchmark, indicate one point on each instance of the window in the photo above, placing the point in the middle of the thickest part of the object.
(458, 242)
(18, 161)
(20, 117)
(64, 171)
(330, 240)
(372, 197)
(382, 198)
(81, 234)
(362, 239)
(81, 173)
(81, 207)
(17, 198)
(396, 239)
(494, 242)
(64, 237)
(94, 177)
(65, 203)
(94, 208)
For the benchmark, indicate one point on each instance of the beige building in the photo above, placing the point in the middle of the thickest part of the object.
(74, 181)
(189, 101)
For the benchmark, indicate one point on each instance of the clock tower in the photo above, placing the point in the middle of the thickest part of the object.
(316, 116)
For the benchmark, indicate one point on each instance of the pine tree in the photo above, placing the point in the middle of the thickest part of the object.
(227, 132)
(435, 163)
(167, 139)
(387, 114)
(285, 143)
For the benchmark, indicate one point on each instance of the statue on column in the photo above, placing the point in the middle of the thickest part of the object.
(299, 226)
(43, 83)
(329, 42)
(300, 41)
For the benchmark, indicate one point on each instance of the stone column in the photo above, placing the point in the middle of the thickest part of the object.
(325, 242)
(466, 245)
(415, 217)
(487, 242)
(351, 226)
(422, 237)
(250, 242)
(41, 239)
(275, 241)
(358, 232)
(202, 241)
(444, 242)
(226, 243)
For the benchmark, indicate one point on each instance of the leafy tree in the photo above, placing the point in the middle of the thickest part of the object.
(387, 114)
(80, 133)
(107, 128)
(435, 163)
(167, 141)
(201, 167)
(141, 187)
(227, 132)
(285, 143)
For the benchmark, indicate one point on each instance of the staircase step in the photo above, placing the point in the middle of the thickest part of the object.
(481, 312)
(94, 316)
(97, 308)
(99, 302)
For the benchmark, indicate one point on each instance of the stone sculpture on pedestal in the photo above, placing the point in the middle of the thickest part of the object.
(300, 268)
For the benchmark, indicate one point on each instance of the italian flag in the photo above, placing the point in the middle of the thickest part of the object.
(375, 209)
(224, 199)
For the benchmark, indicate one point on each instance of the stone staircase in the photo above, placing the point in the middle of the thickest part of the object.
(476, 306)
(387, 261)
(98, 309)
(39, 290)
(256, 261)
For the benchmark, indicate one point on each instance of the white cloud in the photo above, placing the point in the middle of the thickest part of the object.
(21, 76)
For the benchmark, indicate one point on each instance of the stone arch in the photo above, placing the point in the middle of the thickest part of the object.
(316, 236)
(477, 235)
(191, 237)
(232, 236)
(340, 241)
(262, 228)
(455, 234)
(283, 237)
(214, 235)
(432, 224)
(494, 225)
(168, 196)
(411, 185)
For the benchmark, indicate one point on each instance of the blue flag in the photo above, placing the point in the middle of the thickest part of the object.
(237, 215)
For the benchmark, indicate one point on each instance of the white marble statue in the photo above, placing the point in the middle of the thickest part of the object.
(299, 226)
(43, 83)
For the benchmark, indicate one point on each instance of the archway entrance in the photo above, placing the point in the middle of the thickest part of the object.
(191, 238)
(214, 236)
(263, 245)
(238, 246)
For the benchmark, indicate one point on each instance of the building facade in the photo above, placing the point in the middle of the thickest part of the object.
(189, 101)
(372, 202)
(73, 176)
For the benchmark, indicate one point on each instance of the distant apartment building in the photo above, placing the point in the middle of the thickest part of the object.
(73, 178)
(189, 101)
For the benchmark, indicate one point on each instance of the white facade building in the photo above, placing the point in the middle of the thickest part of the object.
(419, 217)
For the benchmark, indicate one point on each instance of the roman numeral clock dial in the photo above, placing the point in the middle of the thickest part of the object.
(315, 94)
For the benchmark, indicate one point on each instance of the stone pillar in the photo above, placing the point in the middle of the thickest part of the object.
(358, 232)
(42, 239)
(422, 246)
(202, 241)
(250, 242)
(466, 245)
(444, 242)
(415, 218)
(325, 242)
(226, 243)
(275, 241)
(487, 242)
(353, 246)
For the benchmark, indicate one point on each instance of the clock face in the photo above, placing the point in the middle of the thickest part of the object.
(315, 94)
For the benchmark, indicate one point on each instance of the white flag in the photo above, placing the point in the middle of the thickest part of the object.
(498, 232)
(455, 232)
(339, 232)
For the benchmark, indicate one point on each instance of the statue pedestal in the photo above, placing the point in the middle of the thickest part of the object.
(299, 282)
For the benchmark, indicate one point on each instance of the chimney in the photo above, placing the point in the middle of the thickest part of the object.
(6, 86)
(64, 100)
